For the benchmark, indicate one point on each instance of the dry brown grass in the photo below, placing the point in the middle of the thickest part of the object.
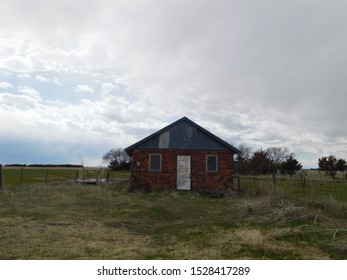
(107, 222)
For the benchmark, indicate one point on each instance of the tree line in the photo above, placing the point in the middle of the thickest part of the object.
(273, 160)
(45, 165)
(279, 159)
(269, 161)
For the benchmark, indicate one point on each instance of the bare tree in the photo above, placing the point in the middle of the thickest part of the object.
(117, 159)
(276, 156)
(245, 154)
(242, 165)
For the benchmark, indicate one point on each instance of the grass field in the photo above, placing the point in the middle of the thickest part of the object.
(71, 221)
(14, 176)
(311, 185)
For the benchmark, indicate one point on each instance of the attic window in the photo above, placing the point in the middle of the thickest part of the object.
(155, 162)
(211, 163)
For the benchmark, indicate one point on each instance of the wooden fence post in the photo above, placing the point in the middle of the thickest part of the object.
(274, 178)
(108, 176)
(21, 176)
(46, 177)
(97, 176)
(1, 177)
(303, 181)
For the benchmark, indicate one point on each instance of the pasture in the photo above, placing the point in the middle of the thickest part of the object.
(18, 176)
(60, 220)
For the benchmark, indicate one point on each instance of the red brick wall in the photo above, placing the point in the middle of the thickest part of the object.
(166, 178)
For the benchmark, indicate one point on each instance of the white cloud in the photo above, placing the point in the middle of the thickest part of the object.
(12, 102)
(45, 79)
(56, 81)
(5, 85)
(42, 79)
(106, 88)
(30, 92)
(23, 75)
(84, 88)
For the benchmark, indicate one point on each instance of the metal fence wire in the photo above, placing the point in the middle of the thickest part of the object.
(18, 176)
(302, 185)
(305, 184)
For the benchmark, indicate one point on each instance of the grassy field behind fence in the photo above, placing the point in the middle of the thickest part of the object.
(301, 186)
(16, 176)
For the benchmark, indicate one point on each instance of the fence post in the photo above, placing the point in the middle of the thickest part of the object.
(274, 178)
(97, 176)
(0, 176)
(21, 176)
(108, 176)
(303, 181)
(46, 178)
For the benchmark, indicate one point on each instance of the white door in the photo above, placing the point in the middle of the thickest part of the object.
(183, 172)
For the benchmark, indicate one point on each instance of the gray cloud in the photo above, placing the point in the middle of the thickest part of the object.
(253, 72)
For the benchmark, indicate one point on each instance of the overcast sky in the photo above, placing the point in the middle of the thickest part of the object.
(78, 78)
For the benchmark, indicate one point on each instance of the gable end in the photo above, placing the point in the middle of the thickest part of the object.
(183, 134)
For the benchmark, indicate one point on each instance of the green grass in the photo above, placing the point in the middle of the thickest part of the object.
(15, 176)
(316, 186)
(71, 221)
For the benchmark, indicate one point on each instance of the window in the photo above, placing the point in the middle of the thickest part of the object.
(211, 163)
(155, 162)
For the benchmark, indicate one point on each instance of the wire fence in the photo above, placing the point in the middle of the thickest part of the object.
(18, 176)
(303, 185)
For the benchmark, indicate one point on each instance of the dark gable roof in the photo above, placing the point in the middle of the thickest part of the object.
(199, 138)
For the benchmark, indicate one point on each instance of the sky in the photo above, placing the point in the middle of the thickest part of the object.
(78, 78)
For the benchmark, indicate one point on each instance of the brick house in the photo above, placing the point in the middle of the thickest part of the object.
(182, 156)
